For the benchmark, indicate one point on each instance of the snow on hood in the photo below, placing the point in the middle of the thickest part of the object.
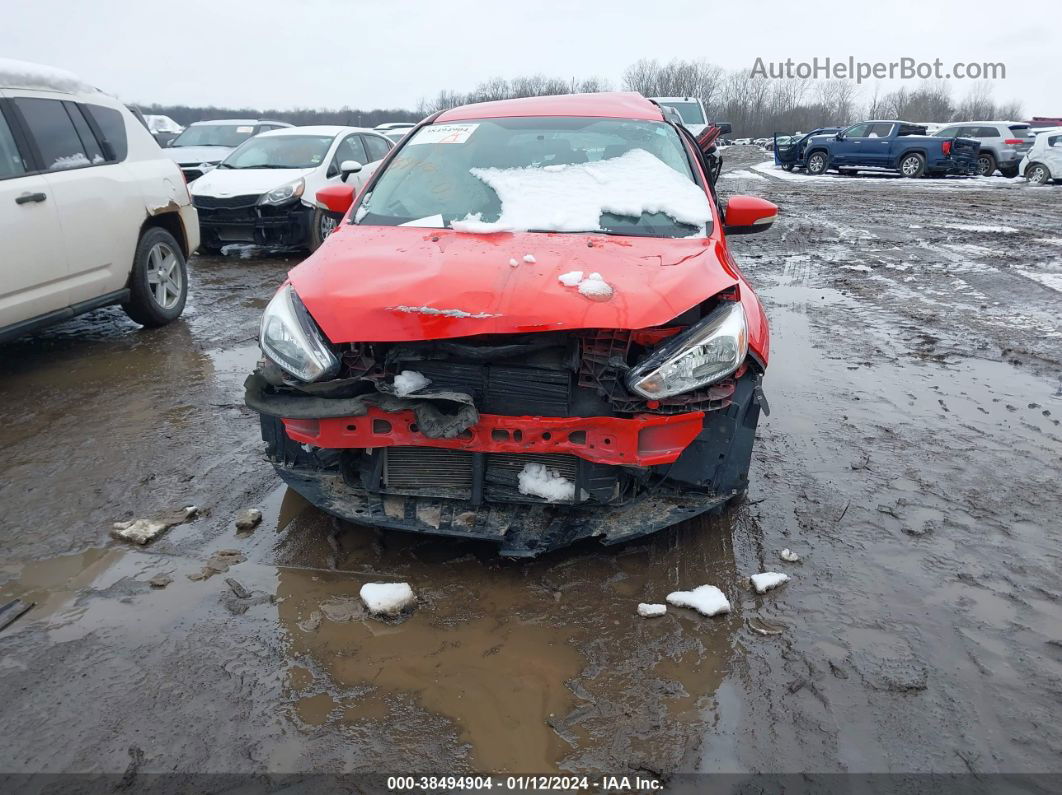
(245, 181)
(571, 198)
(194, 155)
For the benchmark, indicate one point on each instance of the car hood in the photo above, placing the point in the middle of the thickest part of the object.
(223, 182)
(398, 284)
(194, 155)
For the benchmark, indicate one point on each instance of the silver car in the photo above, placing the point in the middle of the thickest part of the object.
(1003, 143)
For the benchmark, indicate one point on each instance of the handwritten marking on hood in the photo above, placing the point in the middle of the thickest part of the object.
(430, 310)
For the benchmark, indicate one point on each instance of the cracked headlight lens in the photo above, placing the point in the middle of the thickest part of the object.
(291, 339)
(285, 193)
(701, 355)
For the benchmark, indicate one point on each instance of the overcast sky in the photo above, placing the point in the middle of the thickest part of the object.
(364, 53)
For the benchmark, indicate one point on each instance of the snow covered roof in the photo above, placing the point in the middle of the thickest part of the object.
(23, 74)
(315, 129)
(607, 104)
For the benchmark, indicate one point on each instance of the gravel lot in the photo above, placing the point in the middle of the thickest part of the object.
(912, 460)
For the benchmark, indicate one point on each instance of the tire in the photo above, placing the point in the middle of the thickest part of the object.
(787, 166)
(912, 165)
(322, 224)
(1038, 174)
(986, 164)
(155, 301)
(818, 162)
(1010, 172)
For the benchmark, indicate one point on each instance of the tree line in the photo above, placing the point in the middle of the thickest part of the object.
(753, 105)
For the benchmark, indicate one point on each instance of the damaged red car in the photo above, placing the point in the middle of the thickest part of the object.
(527, 329)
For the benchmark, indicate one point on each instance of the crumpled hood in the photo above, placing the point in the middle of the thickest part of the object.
(398, 284)
(222, 182)
(194, 155)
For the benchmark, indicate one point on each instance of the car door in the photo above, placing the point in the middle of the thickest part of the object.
(350, 148)
(32, 261)
(877, 144)
(99, 206)
(845, 150)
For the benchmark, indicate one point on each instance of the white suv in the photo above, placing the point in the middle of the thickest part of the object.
(92, 212)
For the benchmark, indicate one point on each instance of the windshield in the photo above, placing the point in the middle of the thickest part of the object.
(280, 151)
(229, 135)
(542, 174)
(690, 112)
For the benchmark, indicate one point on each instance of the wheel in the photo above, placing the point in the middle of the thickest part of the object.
(158, 283)
(1038, 174)
(1010, 172)
(787, 166)
(986, 164)
(322, 224)
(818, 163)
(913, 165)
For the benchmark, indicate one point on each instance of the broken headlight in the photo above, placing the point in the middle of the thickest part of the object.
(291, 339)
(701, 355)
(284, 193)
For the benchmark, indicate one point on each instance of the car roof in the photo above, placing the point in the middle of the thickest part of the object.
(610, 104)
(38, 77)
(315, 129)
(238, 121)
(675, 99)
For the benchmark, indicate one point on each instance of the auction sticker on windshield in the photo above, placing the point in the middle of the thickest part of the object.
(444, 134)
(245, 129)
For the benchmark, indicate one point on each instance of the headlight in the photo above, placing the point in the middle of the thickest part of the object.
(701, 355)
(291, 339)
(292, 190)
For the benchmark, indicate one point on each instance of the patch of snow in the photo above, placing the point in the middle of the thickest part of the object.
(141, 531)
(70, 161)
(530, 259)
(975, 228)
(706, 599)
(741, 173)
(1050, 280)
(537, 480)
(387, 598)
(427, 222)
(572, 198)
(789, 555)
(430, 310)
(593, 286)
(650, 610)
(409, 381)
(768, 580)
(513, 262)
(571, 279)
(23, 74)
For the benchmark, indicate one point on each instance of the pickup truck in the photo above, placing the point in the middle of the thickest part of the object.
(891, 146)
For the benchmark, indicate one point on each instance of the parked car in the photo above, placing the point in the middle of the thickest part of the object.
(397, 134)
(93, 214)
(1003, 143)
(891, 146)
(438, 367)
(163, 128)
(204, 144)
(263, 192)
(1043, 162)
(690, 110)
(789, 150)
(394, 125)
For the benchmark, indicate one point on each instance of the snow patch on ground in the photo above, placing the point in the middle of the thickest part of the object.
(768, 580)
(409, 381)
(651, 610)
(571, 198)
(536, 480)
(741, 173)
(1051, 280)
(387, 598)
(975, 228)
(789, 556)
(430, 310)
(706, 599)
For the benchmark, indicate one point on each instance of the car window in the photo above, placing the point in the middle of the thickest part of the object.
(1055, 140)
(859, 131)
(988, 132)
(946, 132)
(54, 133)
(350, 148)
(230, 135)
(376, 148)
(111, 125)
(84, 132)
(279, 151)
(11, 163)
(879, 130)
(1021, 131)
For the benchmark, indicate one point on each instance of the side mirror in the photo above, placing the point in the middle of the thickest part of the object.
(747, 215)
(337, 198)
(839, 136)
(725, 127)
(348, 167)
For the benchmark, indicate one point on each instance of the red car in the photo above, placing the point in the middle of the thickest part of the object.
(527, 329)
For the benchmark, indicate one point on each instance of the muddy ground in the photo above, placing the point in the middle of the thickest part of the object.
(912, 460)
